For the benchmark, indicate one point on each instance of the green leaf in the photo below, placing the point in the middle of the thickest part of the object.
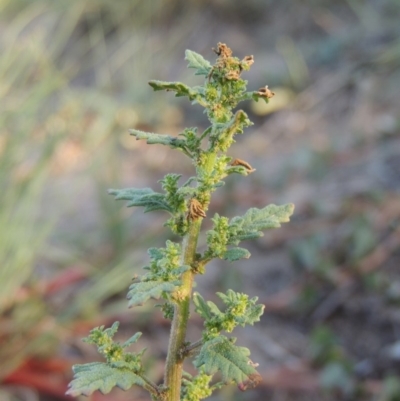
(163, 277)
(196, 94)
(142, 197)
(214, 309)
(141, 292)
(197, 388)
(111, 331)
(254, 220)
(225, 132)
(131, 340)
(103, 377)
(175, 198)
(240, 308)
(156, 253)
(236, 254)
(253, 314)
(201, 306)
(178, 87)
(152, 139)
(220, 354)
(198, 62)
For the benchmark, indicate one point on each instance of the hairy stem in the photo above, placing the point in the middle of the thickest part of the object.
(173, 372)
(192, 347)
(151, 387)
(175, 358)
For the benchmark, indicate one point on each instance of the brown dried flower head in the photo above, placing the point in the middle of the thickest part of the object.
(266, 92)
(249, 60)
(195, 210)
(232, 75)
(223, 50)
(239, 162)
(253, 381)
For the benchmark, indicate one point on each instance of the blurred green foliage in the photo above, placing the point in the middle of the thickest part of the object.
(56, 114)
(337, 370)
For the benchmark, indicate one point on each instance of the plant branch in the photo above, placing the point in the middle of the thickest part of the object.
(188, 350)
(152, 388)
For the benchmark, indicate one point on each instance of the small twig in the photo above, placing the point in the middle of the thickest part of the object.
(332, 302)
(189, 349)
(153, 388)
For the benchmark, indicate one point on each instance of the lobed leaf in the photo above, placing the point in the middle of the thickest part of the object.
(103, 377)
(178, 87)
(214, 309)
(195, 94)
(142, 197)
(240, 309)
(198, 62)
(226, 132)
(236, 254)
(162, 139)
(220, 354)
(253, 314)
(131, 340)
(156, 253)
(111, 331)
(141, 292)
(254, 220)
(201, 306)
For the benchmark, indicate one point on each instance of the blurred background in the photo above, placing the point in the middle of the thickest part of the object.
(73, 80)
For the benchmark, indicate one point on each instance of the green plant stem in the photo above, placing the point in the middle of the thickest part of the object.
(173, 372)
(151, 387)
(192, 347)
